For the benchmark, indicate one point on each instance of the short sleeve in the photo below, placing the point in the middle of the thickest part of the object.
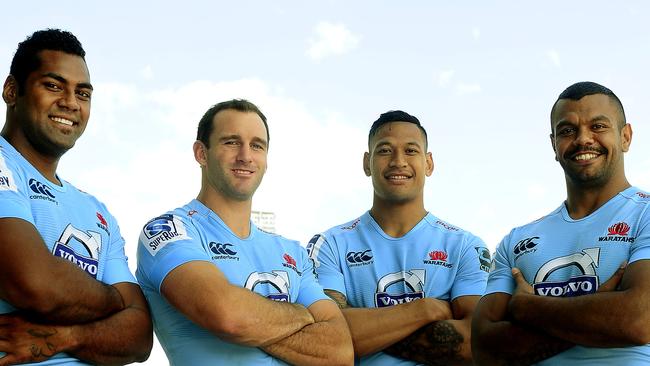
(500, 278)
(117, 267)
(14, 200)
(326, 264)
(310, 290)
(473, 269)
(640, 249)
(165, 243)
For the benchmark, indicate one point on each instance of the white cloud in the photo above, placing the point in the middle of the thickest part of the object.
(476, 33)
(467, 88)
(554, 57)
(147, 72)
(444, 77)
(331, 39)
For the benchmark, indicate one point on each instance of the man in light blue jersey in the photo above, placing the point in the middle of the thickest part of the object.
(560, 292)
(407, 281)
(67, 296)
(222, 291)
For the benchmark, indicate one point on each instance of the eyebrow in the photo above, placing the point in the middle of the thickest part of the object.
(238, 137)
(413, 143)
(65, 81)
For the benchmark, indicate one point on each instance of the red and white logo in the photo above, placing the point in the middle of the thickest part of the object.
(289, 259)
(101, 219)
(620, 228)
(438, 255)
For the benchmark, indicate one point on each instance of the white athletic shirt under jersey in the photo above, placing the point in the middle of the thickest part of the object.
(372, 269)
(265, 263)
(560, 256)
(73, 224)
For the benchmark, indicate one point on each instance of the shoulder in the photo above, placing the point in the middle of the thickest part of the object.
(169, 227)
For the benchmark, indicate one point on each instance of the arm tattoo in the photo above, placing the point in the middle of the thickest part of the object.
(437, 343)
(338, 297)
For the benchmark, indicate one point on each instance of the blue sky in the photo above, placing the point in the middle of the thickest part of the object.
(481, 76)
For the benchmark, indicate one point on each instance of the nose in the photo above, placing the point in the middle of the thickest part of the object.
(584, 136)
(398, 159)
(69, 100)
(244, 154)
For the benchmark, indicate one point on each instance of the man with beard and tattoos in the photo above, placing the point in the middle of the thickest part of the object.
(407, 281)
(573, 288)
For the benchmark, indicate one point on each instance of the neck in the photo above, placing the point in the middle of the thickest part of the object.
(397, 219)
(582, 202)
(235, 214)
(46, 165)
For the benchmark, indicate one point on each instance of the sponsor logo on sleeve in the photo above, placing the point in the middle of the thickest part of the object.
(413, 280)
(484, 258)
(585, 261)
(79, 247)
(352, 226)
(447, 226)
(6, 177)
(619, 233)
(161, 231)
(313, 248)
(274, 285)
(643, 195)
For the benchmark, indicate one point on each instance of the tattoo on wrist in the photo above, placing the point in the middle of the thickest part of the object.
(435, 344)
(37, 350)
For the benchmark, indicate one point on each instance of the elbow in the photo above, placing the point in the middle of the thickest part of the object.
(34, 298)
(638, 331)
(344, 355)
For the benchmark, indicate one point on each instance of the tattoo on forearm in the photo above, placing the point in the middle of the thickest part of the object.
(38, 350)
(435, 344)
(338, 297)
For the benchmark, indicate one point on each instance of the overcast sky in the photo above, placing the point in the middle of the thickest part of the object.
(481, 77)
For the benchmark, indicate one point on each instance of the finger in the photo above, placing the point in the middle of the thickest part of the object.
(612, 283)
(519, 278)
(8, 360)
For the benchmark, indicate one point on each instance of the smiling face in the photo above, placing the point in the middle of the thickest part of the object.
(235, 162)
(398, 163)
(589, 140)
(50, 113)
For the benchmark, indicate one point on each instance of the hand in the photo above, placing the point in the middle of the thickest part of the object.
(437, 309)
(612, 283)
(24, 341)
(523, 287)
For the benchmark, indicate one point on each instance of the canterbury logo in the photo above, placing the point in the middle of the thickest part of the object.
(359, 257)
(38, 187)
(221, 248)
(524, 245)
(620, 228)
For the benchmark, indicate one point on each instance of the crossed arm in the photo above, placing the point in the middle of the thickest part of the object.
(307, 336)
(62, 309)
(526, 328)
(428, 331)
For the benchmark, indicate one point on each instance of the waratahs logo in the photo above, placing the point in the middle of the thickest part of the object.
(360, 258)
(43, 191)
(585, 261)
(400, 287)
(289, 262)
(618, 232)
(438, 258)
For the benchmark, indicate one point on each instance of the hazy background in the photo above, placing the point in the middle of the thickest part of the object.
(481, 76)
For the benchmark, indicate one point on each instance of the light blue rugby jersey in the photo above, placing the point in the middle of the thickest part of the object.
(73, 224)
(373, 269)
(265, 263)
(560, 256)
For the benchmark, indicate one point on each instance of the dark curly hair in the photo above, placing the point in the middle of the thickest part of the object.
(26, 59)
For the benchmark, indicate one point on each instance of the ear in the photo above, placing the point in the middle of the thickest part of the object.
(366, 164)
(10, 91)
(429, 169)
(626, 137)
(200, 153)
(553, 145)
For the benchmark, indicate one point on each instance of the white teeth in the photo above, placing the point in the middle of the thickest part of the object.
(585, 157)
(62, 120)
(242, 171)
(398, 177)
